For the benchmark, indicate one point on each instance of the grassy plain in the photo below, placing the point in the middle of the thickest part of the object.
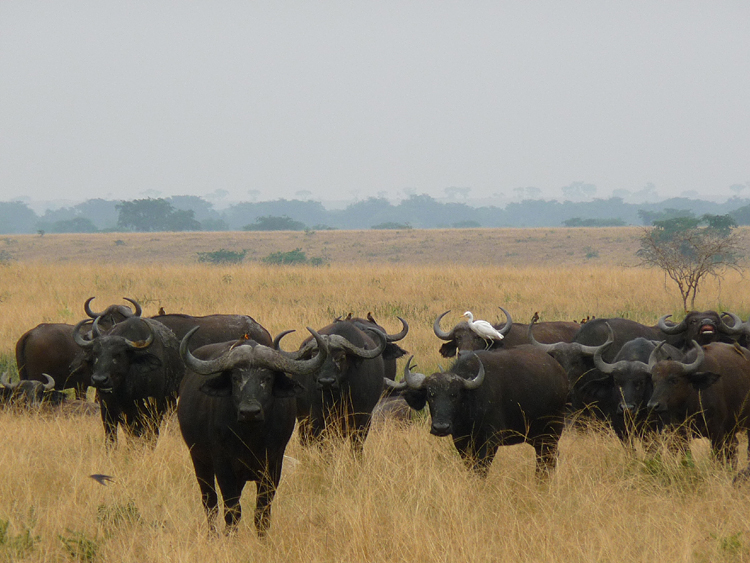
(410, 499)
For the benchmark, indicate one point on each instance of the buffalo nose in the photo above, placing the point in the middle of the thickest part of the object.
(250, 412)
(440, 428)
(655, 405)
(99, 380)
(625, 407)
(326, 381)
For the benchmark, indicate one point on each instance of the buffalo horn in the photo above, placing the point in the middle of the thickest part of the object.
(399, 335)
(5, 381)
(674, 329)
(736, 328)
(546, 347)
(599, 362)
(258, 355)
(477, 381)
(693, 367)
(87, 308)
(439, 332)
(508, 323)
(50, 385)
(137, 311)
(141, 344)
(277, 340)
(413, 380)
(338, 341)
(83, 343)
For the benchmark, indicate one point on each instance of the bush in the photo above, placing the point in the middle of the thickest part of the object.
(222, 256)
(578, 222)
(271, 223)
(391, 225)
(295, 256)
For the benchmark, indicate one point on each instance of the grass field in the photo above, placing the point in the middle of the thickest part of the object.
(410, 499)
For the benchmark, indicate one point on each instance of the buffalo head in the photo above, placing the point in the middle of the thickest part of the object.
(674, 381)
(442, 391)
(703, 327)
(114, 357)
(462, 339)
(251, 374)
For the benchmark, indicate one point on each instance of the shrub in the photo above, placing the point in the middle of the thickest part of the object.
(295, 256)
(222, 256)
(391, 225)
(271, 223)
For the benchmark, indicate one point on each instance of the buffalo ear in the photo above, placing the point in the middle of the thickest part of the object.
(393, 351)
(285, 387)
(219, 386)
(594, 390)
(147, 362)
(448, 350)
(416, 399)
(703, 380)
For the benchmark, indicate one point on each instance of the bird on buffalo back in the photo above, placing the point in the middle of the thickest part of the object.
(483, 329)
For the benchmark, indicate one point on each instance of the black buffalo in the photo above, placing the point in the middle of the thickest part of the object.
(29, 393)
(702, 326)
(497, 398)
(49, 348)
(462, 339)
(216, 328)
(709, 390)
(236, 414)
(619, 391)
(577, 357)
(392, 351)
(343, 392)
(136, 369)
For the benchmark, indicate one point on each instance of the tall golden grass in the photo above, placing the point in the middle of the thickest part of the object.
(410, 499)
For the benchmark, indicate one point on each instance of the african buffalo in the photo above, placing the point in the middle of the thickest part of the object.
(343, 392)
(236, 414)
(576, 357)
(619, 391)
(215, 328)
(49, 348)
(29, 393)
(703, 327)
(136, 369)
(462, 339)
(709, 390)
(496, 398)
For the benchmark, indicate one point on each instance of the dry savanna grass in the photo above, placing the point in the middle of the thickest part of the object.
(410, 499)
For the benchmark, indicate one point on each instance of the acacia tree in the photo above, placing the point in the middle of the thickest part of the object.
(689, 249)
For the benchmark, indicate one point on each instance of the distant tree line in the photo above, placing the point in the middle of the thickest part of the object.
(193, 213)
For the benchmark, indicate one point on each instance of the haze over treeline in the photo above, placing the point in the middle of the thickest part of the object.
(192, 213)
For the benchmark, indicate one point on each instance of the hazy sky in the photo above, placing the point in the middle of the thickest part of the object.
(251, 100)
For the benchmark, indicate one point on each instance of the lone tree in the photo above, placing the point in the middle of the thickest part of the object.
(690, 248)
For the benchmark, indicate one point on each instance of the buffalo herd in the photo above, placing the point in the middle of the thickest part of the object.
(238, 394)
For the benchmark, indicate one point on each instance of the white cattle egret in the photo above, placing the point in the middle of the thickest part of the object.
(483, 329)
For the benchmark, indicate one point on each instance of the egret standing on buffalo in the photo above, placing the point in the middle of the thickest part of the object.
(484, 330)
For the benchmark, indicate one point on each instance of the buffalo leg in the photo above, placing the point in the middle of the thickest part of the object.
(204, 473)
(546, 456)
(478, 459)
(267, 485)
(109, 420)
(231, 491)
